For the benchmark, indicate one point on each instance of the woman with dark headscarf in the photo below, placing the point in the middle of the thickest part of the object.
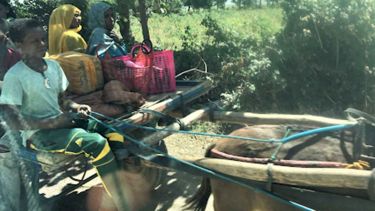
(103, 38)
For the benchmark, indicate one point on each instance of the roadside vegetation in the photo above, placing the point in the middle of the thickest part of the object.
(169, 31)
(296, 56)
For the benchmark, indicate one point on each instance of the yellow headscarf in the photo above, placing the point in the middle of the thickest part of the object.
(58, 29)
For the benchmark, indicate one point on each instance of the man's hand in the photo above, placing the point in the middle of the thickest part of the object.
(83, 111)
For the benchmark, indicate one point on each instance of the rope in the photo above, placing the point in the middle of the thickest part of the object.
(83, 176)
(277, 150)
(197, 167)
(125, 124)
(286, 139)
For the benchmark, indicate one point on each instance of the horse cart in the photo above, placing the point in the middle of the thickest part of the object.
(306, 185)
(300, 184)
(47, 170)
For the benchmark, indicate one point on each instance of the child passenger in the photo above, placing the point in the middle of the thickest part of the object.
(31, 101)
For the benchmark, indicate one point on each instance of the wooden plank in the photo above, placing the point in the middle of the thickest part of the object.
(321, 200)
(319, 177)
(172, 103)
(276, 119)
(156, 136)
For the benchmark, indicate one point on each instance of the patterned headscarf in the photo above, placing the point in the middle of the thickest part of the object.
(59, 22)
(96, 15)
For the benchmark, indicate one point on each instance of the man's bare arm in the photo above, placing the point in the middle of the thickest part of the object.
(69, 105)
(11, 118)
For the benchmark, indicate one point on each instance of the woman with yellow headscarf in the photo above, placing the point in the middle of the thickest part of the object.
(64, 25)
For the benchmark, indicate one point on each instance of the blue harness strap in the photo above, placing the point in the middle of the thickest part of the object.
(315, 131)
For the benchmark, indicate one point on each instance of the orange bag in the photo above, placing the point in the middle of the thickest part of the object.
(84, 72)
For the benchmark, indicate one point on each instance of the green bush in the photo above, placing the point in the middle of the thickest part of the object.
(37, 9)
(238, 62)
(328, 55)
(42, 9)
(233, 44)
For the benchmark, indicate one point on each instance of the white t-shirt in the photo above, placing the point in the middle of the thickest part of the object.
(26, 88)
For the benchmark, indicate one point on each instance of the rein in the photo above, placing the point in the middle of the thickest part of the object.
(124, 125)
(164, 159)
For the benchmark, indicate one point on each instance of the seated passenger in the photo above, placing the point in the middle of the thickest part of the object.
(64, 25)
(8, 55)
(36, 107)
(103, 39)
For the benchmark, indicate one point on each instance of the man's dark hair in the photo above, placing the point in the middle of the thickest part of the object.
(20, 27)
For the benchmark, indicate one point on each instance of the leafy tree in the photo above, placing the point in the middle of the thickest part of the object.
(273, 2)
(42, 9)
(198, 4)
(166, 6)
(244, 3)
(124, 20)
(37, 9)
(220, 3)
(252, 3)
(328, 54)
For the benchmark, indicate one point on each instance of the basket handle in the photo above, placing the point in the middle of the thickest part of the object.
(145, 46)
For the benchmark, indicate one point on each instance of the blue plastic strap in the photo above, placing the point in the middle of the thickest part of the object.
(315, 131)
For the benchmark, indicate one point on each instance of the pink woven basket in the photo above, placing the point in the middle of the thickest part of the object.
(158, 75)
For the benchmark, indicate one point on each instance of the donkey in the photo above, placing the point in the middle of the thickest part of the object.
(137, 181)
(228, 196)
